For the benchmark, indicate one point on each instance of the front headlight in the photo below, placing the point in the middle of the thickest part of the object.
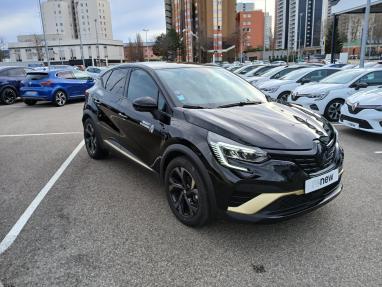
(319, 96)
(270, 90)
(231, 154)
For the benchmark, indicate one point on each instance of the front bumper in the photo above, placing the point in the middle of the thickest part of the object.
(367, 120)
(38, 94)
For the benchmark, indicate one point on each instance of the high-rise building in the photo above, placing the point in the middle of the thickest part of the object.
(300, 24)
(69, 18)
(251, 25)
(205, 25)
(67, 24)
(245, 7)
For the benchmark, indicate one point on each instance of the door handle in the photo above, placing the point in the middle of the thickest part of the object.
(123, 116)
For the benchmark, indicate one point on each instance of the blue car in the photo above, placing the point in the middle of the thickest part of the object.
(10, 79)
(58, 86)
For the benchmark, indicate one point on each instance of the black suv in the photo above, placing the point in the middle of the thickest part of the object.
(218, 145)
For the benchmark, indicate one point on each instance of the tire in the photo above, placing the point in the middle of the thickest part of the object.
(333, 110)
(93, 142)
(30, 102)
(283, 97)
(187, 193)
(60, 98)
(8, 96)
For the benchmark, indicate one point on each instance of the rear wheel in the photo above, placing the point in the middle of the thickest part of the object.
(333, 110)
(60, 98)
(8, 96)
(30, 102)
(187, 192)
(93, 141)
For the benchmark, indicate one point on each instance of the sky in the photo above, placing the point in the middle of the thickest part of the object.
(20, 17)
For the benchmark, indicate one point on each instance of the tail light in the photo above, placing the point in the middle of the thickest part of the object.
(46, 83)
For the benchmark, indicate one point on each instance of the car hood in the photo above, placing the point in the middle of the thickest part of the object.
(274, 83)
(268, 125)
(317, 88)
(373, 97)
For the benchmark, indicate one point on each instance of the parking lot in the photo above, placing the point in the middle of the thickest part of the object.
(107, 223)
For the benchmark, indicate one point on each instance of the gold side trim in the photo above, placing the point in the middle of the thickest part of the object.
(258, 203)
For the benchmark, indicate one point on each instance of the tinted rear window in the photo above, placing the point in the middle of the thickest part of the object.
(36, 76)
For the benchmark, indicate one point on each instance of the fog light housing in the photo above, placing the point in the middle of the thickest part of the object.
(314, 107)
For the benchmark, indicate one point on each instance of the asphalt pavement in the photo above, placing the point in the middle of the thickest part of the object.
(107, 223)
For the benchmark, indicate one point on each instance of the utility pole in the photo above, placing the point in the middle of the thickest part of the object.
(59, 49)
(43, 31)
(299, 38)
(265, 27)
(147, 47)
(96, 29)
(364, 34)
(80, 35)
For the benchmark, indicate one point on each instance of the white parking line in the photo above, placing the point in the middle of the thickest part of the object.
(17, 228)
(33, 135)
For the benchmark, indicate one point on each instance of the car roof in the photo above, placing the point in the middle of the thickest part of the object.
(162, 65)
(11, 67)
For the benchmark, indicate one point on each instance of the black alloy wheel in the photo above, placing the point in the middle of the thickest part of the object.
(8, 96)
(186, 192)
(283, 97)
(333, 110)
(92, 142)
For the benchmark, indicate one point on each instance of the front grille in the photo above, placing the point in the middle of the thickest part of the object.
(355, 111)
(362, 123)
(325, 156)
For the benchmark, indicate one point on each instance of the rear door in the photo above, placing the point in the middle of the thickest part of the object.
(372, 79)
(15, 76)
(82, 82)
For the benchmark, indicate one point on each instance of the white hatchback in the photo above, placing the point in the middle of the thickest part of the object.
(363, 111)
(328, 96)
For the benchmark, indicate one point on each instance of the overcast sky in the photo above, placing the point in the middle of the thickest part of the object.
(18, 17)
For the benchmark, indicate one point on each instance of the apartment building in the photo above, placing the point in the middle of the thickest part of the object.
(251, 25)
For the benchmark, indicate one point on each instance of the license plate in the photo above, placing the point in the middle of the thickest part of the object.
(351, 124)
(321, 181)
(31, 93)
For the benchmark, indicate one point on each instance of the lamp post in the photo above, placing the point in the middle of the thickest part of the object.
(80, 35)
(299, 38)
(43, 31)
(147, 48)
(265, 27)
(97, 47)
(364, 34)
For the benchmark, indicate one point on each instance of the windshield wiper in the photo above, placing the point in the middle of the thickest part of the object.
(240, 104)
(193, 107)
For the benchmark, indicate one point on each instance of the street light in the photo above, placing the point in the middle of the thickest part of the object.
(147, 48)
(43, 30)
(364, 34)
(299, 37)
(97, 47)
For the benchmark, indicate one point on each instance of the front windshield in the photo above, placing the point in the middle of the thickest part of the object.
(208, 87)
(273, 71)
(342, 77)
(295, 75)
(247, 69)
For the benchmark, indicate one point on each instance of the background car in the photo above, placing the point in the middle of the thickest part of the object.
(363, 111)
(55, 86)
(94, 72)
(247, 68)
(281, 89)
(276, 73)
(258, 71)
(10, 79)
(328, 96)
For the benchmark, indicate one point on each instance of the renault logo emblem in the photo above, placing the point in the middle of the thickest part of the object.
(354, 106)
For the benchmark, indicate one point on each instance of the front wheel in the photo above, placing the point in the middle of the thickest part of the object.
(60, 98)
(187, 193)
(8, 96)
(333, 110)
(283, 97)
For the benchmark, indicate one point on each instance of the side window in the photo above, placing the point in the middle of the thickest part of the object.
(372, 79)
(316, 76)
(141, 85)
(65, 75)
(16, 72)
(116, 82)
(79, 75)
(105, 77)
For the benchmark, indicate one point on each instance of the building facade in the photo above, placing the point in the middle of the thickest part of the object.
(207, 26)
(67, 23)
(245, 7)
(251, 25)
(301, 24)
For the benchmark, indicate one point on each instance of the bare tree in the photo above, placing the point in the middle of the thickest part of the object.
(38, 43)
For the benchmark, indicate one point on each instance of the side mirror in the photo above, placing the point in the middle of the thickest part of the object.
(304, 81)
(145, 104)
(360, 85)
